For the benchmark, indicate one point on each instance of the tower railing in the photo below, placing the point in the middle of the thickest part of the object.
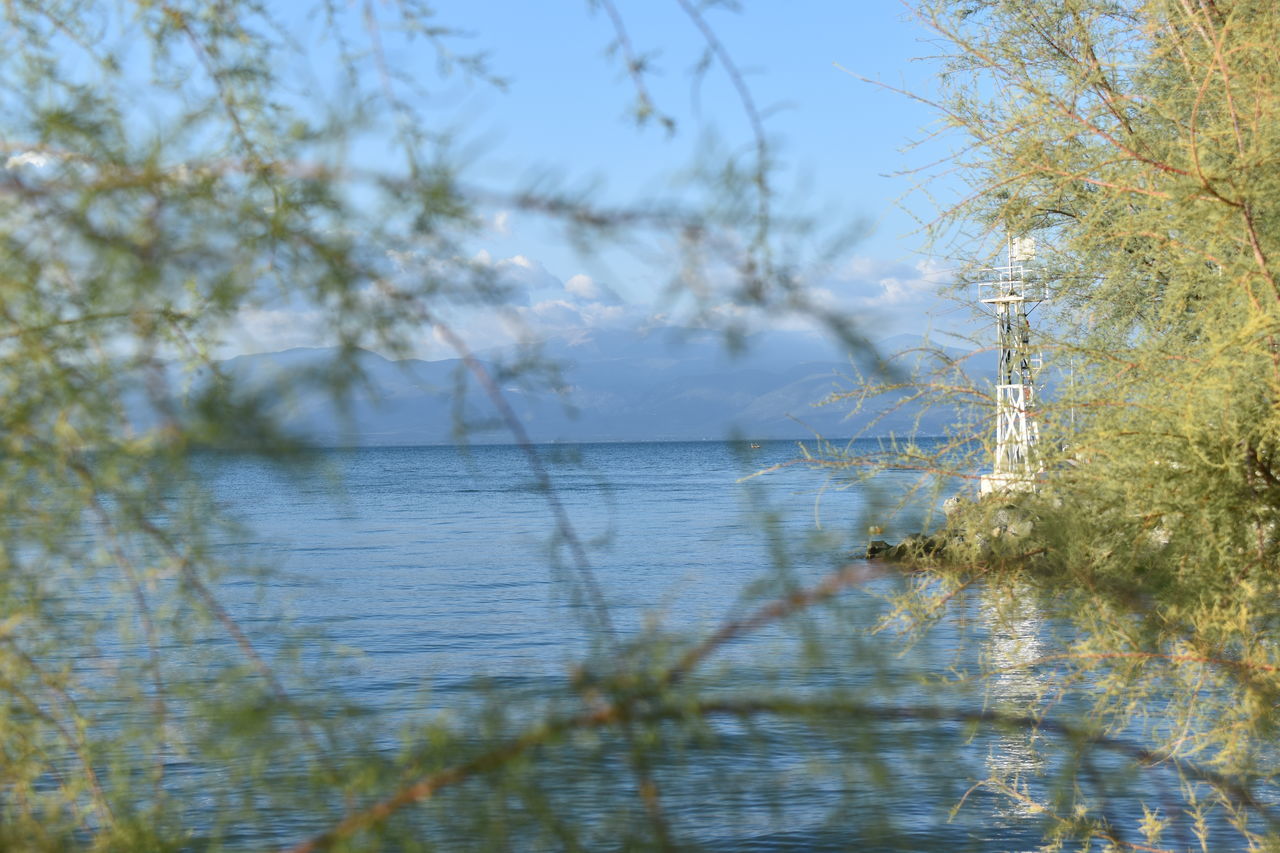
(1010, 294)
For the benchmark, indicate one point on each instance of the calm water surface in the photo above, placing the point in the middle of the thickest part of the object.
(442, 560)
(434, 565)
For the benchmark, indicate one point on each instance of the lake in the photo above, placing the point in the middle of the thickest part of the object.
(437, 577)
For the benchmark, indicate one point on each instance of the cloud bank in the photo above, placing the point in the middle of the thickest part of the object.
(885, 297)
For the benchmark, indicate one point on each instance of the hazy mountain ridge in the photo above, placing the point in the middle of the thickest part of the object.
(618, 386)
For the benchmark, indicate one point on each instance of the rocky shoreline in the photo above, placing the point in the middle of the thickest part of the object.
(1007, 522)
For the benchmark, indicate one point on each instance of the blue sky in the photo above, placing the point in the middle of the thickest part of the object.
(566, 105)
(565, 113)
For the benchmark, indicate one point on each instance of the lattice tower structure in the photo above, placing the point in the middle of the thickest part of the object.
(1011, 295)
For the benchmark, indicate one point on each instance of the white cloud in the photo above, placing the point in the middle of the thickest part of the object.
(501, 223)
(882, 297)
(867, 282)
(560, 316)
(276, 329)
(38, 159)
(554, 313)
(582, 286)
(526, 278)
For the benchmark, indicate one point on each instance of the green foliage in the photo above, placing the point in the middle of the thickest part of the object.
(168, 170)
(1137, 141)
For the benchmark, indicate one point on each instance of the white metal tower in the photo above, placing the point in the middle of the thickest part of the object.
(1011, 298)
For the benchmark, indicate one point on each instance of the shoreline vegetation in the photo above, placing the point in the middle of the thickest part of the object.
(1005, 526)
(1094, 666)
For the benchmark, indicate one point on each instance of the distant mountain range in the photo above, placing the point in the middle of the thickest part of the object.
(616, 386)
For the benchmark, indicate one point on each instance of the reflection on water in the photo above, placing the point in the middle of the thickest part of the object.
(433, 574)
(1014, 645)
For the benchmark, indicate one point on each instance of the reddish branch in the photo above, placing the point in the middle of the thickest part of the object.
(825, 709)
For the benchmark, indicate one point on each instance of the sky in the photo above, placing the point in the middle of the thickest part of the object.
(564, 112)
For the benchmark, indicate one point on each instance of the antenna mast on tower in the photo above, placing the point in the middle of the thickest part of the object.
(1011, 299)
